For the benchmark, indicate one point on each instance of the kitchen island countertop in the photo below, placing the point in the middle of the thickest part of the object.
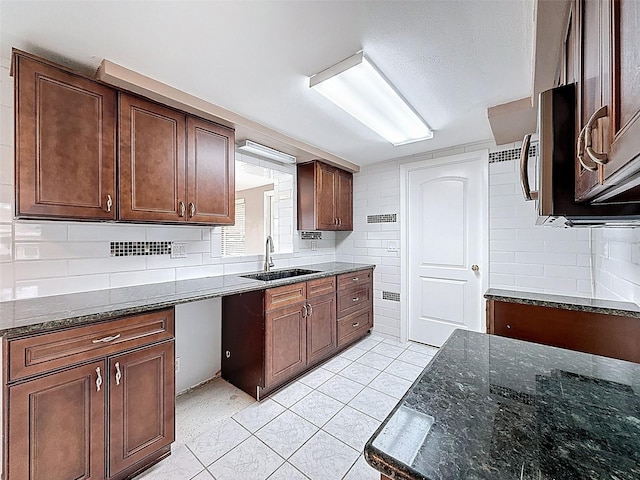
(489, 407)
(18, 317)
(565, 302)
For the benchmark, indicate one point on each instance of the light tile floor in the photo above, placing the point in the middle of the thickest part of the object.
(314, 429)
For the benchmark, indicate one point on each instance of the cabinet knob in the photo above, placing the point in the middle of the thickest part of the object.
(182, 209)
(355, 299)
(580, 152)
(600, 158)
(355, 325)
(109, 203)
(98, 379)
(118, 373)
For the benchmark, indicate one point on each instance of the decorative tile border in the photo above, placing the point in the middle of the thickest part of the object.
(126, 249)
(512, 154)
(383, 218)
(394, 296)
(310, 235)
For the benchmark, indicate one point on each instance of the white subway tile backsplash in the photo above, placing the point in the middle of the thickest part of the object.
(127, 279)
(57, 286)
(184, 273)
(87, 266)
(25, 270)
(80, 232)
(46, 231)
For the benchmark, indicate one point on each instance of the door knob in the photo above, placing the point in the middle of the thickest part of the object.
(475, 268)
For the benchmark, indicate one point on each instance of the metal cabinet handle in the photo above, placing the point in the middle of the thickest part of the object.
(355, 299)
(98, 379)
(118, 373)
(107, 339)
(109, 203)
(339, 221)
(524, 165)
(580, 152)
(355, 325)
(182, 209)
(192, 209)
(310, 310)
(304, 311)
(600, 158)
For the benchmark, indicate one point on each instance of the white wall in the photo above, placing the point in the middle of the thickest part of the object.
(617, 263)
(527, 257)
(198, 342)
(522, 256)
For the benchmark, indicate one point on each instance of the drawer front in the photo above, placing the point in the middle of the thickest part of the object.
(354, 279)
(322, 286)
(38, 354)
(354, 299)
(283, 296)
(354, 326)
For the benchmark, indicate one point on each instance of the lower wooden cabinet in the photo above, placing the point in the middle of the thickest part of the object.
(56, 426)
(107, 416)
(608, 335)
(141, 405)
(270, 337)
(285, 343)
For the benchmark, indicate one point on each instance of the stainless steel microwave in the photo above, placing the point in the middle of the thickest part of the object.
(556, 170)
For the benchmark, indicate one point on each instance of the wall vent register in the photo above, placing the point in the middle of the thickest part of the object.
(512, 154)
(384, 218)
(394, 296)
(127, 249)
(310, 235)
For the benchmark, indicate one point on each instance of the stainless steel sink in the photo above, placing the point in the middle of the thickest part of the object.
(278, 274)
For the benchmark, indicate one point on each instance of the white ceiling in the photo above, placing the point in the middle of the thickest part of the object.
(450, 59)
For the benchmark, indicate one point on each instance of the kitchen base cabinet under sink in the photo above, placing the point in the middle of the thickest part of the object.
(272, 336)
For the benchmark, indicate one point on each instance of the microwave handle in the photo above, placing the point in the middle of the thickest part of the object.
(524, 164)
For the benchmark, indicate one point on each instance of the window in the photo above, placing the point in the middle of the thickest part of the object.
(233, 236)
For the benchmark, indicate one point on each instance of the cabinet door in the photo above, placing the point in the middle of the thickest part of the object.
(321, 327)
(142, 401)
(592, 89)
(65, 144)
(56, 426)
(625, 103)
(326, 187)
(210, 172)
(285, 343)
(151, 162)
(344, 200)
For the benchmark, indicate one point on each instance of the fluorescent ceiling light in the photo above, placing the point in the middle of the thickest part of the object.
(263, 151)
(356, 86)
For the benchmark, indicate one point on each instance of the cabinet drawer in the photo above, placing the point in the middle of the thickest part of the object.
(354, 326)
(322, 286)
(283, 296)
(34, 355)
(354, 279)
(353, 299)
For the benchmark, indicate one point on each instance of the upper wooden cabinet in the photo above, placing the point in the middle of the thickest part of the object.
(152, 167)
(171, 167)
(65, 143)
(210, 172)
(325, 197)
(605, 42)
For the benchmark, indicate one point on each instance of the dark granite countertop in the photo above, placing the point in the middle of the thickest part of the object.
(593, 305)
(489, 407)
(39, 314)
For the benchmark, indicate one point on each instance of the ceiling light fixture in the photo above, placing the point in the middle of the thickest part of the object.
(358, 87)
(258, 150)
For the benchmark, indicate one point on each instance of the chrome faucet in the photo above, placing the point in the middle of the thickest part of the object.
(268, 263)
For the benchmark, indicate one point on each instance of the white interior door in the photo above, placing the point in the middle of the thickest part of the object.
(446, 244)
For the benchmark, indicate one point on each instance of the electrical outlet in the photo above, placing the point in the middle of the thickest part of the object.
(392, 247)
(177, 364)
(178, 250)
(605, 249)
(314, 245)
